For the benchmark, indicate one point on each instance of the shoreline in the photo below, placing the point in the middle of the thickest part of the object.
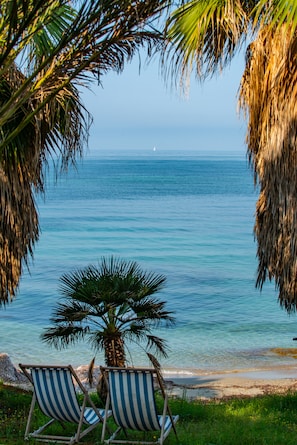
(207, 385)
(261, 372)
(192, 384)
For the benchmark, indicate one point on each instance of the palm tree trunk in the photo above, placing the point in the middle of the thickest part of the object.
(114, 356)
(114, 352)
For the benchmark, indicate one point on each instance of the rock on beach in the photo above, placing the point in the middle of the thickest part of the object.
(8, 372)
(14, 376)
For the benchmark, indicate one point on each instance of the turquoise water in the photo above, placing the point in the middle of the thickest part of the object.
(188, 217)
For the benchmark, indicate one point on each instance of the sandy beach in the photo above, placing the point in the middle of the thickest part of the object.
(192, 384)
(224, 384)
(238, 383)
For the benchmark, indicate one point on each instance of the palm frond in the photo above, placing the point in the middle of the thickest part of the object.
(204, 35)
(156, 364)
(158, 344)
(152, 310)
(62, 336)
(268, 94)
(70, 312)
(96, 340)
(275, 15)
(107, 299)
(91, 371)
(42, 116)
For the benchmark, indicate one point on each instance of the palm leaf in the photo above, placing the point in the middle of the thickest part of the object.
(205, 35)
(97, 307)
(275, 15)
(42, 117)
(268, 94)
(62, 336)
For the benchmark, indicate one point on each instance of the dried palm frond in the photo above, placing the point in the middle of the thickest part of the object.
(22, 160)
(204, 36)
(41, 114)
(91, 371)
(154, 361)
(268, 95)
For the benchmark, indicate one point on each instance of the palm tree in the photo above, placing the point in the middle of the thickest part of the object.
(206, 35)
(49, 49)
(62, 124)
(110, 305)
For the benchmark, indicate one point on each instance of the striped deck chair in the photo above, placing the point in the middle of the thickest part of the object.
(54, 392)
(131, 395)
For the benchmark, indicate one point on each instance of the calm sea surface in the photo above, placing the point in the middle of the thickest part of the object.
(188, 217)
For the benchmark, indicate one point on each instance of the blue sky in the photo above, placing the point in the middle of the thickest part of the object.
(139, 111)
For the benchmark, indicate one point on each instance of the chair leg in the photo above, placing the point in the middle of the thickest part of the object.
(78, 431)
(33, 401)
(42, 428)
(113, 436)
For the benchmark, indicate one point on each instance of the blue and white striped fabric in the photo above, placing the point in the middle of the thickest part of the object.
(54, 392)
(131, 396)
(133, 401)
(56, 396)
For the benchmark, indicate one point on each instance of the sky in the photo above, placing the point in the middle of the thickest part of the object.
(140, 111)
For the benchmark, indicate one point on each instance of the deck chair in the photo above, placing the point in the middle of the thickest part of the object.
(54, 392)
(131, 396)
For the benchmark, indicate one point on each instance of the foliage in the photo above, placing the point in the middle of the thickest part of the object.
(109, 305)
(248, 421)
(204, 36)
(48, 51)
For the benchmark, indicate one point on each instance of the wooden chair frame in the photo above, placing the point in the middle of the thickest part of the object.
(54, 392)
(131, 397)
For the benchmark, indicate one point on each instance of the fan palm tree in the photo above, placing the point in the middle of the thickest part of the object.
(48, 51)
(110, 305)
(204, 36)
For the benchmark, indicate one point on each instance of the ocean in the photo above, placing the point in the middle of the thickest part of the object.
(188, 216)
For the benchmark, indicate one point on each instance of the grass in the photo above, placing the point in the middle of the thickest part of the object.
(270, 419)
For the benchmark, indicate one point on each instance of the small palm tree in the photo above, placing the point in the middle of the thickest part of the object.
(110, 305)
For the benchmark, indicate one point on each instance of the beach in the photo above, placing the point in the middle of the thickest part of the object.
(228, 384)
(203, 386)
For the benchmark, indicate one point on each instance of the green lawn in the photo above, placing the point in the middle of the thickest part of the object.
(270, 419)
